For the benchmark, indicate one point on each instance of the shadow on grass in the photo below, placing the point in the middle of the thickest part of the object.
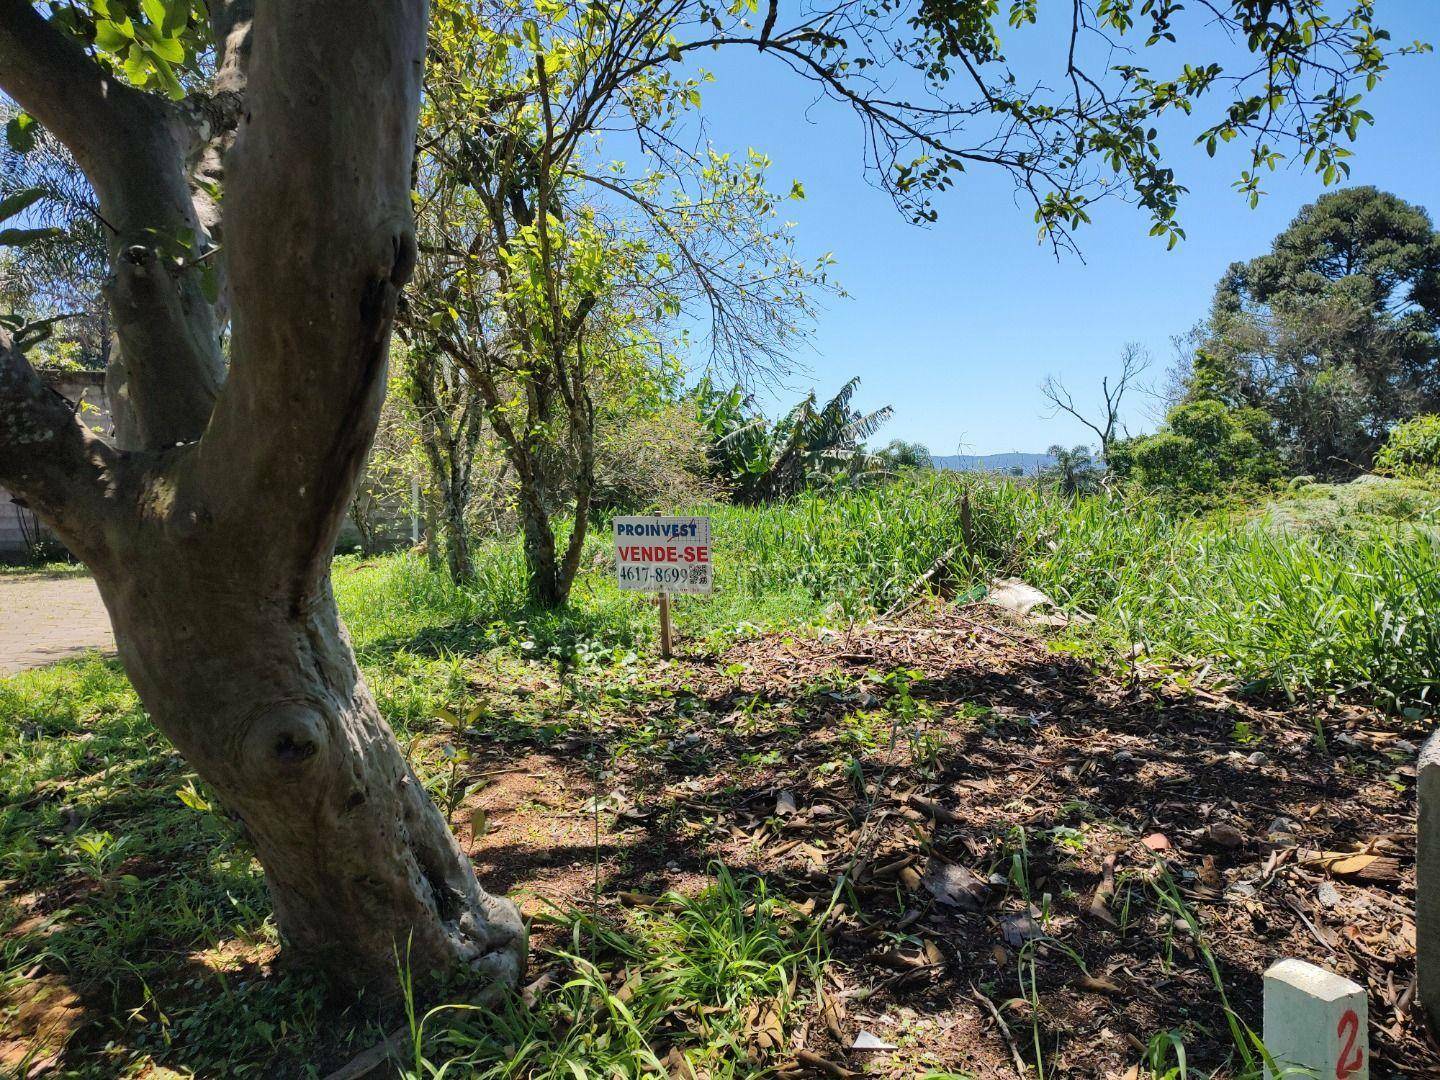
(1026, 755)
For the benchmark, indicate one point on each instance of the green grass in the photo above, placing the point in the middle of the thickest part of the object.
(1278, 604)
(702, 978)
(1301, 611)
(1367, 506)
(146, 884)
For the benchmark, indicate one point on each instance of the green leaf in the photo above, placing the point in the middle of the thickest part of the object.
(21, 200)
(166, 76)
(797, 190)
(168, 49)
(113, 37)
(137, 67)
(16, 237)
(20, 133)
(167, 16)
(210, 282)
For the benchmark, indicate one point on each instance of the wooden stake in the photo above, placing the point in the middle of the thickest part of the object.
(667, 632)
(1427, 879)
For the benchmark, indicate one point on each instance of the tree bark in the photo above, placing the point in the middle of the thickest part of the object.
(210, 533)
(545, 581)
(266, 702)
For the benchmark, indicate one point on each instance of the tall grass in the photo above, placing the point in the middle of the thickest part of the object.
(1304, 611)
(691, 987)
(1300, 610)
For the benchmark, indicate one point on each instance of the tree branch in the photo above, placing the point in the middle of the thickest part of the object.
(131, 146)
(50, 460)
(320, 239)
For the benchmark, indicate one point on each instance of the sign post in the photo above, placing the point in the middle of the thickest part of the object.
(667, 632)
(664, 555)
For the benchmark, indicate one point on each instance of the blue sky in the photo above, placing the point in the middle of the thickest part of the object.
(955, 325)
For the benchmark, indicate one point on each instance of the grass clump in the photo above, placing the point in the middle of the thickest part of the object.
(710, 981)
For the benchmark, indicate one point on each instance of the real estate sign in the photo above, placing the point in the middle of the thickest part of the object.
(663, 554)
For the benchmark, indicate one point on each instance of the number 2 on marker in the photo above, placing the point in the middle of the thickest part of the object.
(1351, 1057)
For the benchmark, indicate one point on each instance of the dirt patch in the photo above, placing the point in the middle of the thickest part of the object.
(1015, 843)
(40, 1017)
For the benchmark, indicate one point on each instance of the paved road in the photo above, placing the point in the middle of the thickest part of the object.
(44, 619)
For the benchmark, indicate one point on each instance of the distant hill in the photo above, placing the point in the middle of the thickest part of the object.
(1029, 464)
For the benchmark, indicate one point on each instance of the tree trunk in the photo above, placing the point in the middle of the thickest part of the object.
(210, 522)
(262, 695)
(457, 530)
(546, 582)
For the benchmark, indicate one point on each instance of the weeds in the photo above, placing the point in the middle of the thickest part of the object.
(708, 981)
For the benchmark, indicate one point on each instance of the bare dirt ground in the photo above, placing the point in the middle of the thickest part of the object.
(45, 618)
(1022, 851)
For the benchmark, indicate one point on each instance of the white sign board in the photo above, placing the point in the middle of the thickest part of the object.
(663, 554)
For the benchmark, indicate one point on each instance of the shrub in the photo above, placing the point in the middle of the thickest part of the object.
(1203, 450)
(1412, 448)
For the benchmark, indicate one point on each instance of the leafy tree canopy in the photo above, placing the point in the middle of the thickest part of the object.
(1203, 449)
(933, 83)
(1335, 333)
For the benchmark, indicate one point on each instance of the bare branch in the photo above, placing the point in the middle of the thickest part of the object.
(1134, 361)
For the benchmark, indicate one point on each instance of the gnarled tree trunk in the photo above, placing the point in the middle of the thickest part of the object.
(209, 526)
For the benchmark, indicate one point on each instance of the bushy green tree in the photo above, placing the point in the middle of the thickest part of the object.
(1203, 449)
(1412, 447)
(1075, 471)
(1335, 334)
(898, 455)
(549, 269)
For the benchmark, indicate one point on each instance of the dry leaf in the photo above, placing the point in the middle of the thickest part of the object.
(1104, 892)
(1351, 864)
(479, 822)
(954, 885)
(832, 1015)
(933, 953)
(1099, 984)
(763, 1030)
(1018, 929)
(532, 992)
(1223, 834)
(678, 1065)
(1209, 876)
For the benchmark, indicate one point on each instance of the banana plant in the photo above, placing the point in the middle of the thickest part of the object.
(812, 444)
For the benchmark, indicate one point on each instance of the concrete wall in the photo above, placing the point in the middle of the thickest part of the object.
(86, 391)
